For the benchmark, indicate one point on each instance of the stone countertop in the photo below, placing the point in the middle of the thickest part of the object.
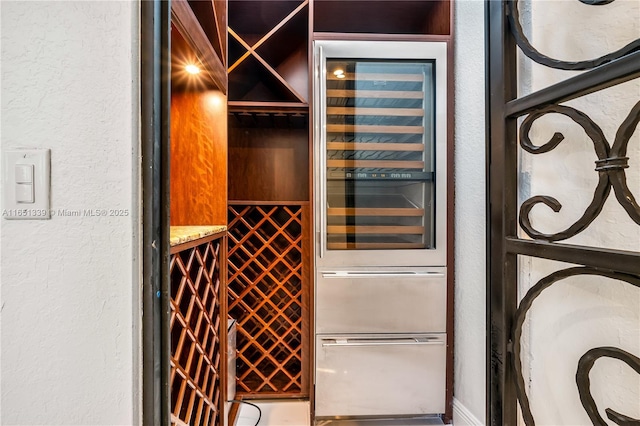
(185, 234)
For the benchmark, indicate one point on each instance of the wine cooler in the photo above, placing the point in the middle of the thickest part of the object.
(380, 149)
(380, 228)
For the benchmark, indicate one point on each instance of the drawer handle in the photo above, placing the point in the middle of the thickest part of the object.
(381, 274)
(382, 342)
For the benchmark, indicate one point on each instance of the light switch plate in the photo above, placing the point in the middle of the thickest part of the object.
(40, 160)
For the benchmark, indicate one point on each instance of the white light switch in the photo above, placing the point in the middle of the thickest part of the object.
(26, 175)
(24, 193)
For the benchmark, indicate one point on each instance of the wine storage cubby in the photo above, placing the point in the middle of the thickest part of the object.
(268, 45)
(406, 17)
(265, 288)
(268, 156)
(196, 290)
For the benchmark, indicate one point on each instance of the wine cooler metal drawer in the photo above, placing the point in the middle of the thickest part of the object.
(381, 301)
(378, 375)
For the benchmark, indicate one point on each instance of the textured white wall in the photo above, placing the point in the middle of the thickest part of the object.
(470, 217)
(578, 314)
(69, 285)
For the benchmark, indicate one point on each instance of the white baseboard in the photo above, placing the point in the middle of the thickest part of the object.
(462, 416)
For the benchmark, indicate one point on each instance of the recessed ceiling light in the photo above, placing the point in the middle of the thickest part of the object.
(339, 73)
(192, 69)
(341, 76)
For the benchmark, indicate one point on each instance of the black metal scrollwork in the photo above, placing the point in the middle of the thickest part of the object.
(612, 161)
(587, 360)
(596, 2)
(528, 49)
(582, 380)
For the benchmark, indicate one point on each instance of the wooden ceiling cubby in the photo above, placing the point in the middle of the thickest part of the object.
(212, 16)
(268, 51)
(419, 17)
(198, 37)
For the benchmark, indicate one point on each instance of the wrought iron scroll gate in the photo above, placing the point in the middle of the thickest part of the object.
(506, 218)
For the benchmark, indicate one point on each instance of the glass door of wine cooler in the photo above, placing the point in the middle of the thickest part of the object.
(380, 157)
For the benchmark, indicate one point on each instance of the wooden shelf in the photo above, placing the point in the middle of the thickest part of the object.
(378, 230)
(383, 17)
(377, 239)
(375, 146)
(376, 94)
(353, 128)
(377, 164)
(374, 220)
(377, 77)
(378, 211)
(369, 246)
(272, 36)
(268, 107)
(399, 112)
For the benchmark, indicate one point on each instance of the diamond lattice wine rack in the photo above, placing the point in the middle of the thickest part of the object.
(195, 334)
(265, 296)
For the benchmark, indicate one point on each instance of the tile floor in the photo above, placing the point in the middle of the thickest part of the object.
(281, 413)
(296, 413)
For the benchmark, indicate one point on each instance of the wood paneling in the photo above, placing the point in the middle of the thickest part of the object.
(268, 164)
(198, 158)
(382, 16)
(184, 20)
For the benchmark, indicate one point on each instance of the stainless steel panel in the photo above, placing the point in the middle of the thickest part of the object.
(381, 301)
(385, 421)
(320, 133)
(379, 375)
(430, 420)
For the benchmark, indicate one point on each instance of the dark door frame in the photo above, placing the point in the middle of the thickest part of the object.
(505, 217)
(155, 99)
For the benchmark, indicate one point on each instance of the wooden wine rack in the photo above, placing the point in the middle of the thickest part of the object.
(265, 297)
(196, 314)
